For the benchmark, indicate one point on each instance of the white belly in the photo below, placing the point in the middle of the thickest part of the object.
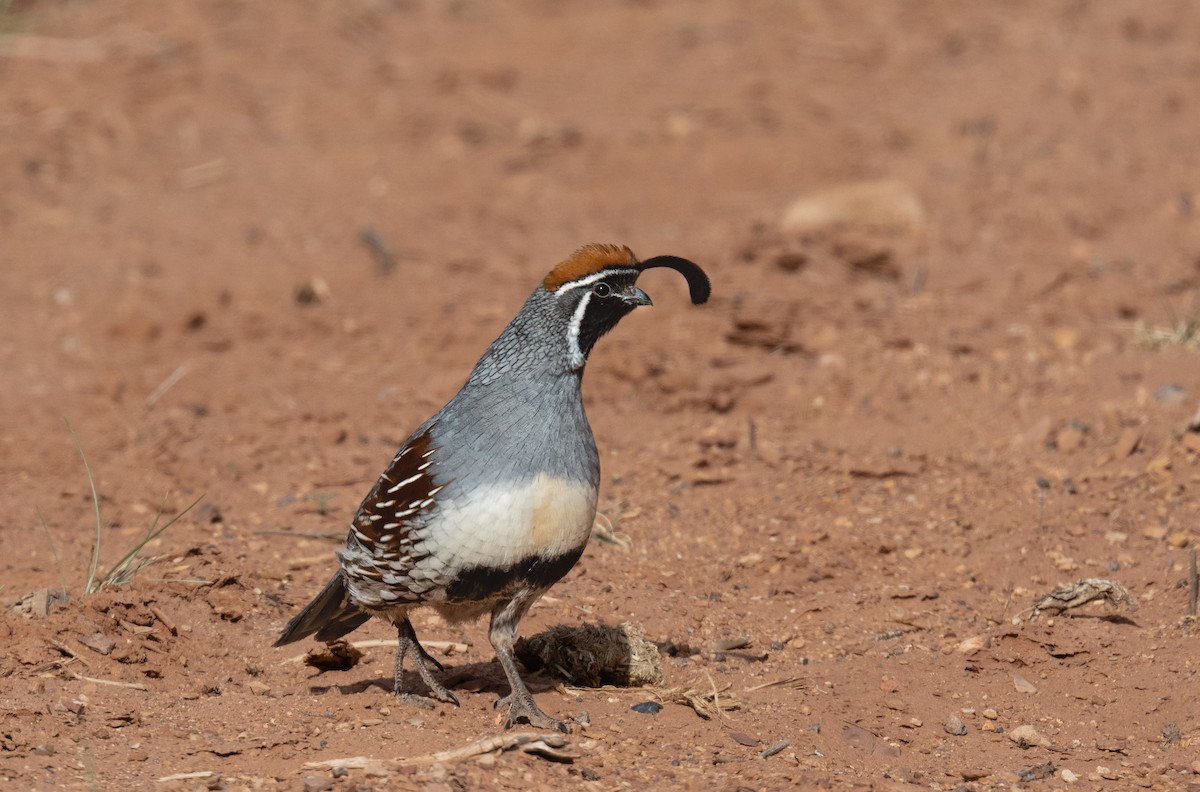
(500, 526)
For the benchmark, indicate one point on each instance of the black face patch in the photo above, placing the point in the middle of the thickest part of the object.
(484, 583)
(606, 307)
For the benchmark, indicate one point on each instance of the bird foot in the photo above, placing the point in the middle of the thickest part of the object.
(436, 693)
(523, 708)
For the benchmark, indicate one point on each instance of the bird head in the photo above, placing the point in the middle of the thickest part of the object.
(596, 287)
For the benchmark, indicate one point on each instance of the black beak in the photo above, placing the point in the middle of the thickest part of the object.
(698, 286)
(635, 296)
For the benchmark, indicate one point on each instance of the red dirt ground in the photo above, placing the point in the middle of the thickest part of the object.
(920, 398)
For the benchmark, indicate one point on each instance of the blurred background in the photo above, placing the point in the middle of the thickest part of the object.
(246, 246)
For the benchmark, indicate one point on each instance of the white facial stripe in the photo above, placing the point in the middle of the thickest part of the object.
(573, 349)
(590, 279)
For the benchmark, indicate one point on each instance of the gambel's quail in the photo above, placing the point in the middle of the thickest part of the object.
(491, 501)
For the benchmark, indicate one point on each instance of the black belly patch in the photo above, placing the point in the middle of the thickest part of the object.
(483, 583)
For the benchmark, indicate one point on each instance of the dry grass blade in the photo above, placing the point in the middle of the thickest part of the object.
(1183, 331)
(132, 562)
(62, 578)
(791, 683)
(708, 704)
(96, 502)
(605, 532)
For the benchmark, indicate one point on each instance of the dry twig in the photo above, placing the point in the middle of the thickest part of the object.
(548, 746)
(113, 683)
(445, 647)
(1074, 595)
(792, 683)
(710, 704)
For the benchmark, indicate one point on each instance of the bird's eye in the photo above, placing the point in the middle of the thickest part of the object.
(602, 289)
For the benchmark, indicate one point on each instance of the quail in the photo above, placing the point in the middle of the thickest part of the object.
(492, 500)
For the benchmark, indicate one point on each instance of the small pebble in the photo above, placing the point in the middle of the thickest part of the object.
(1068, 776)
(1026, 736)
(954, 725)
(647, 708)
(990, 714)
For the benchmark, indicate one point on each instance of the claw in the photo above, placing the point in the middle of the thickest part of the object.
(523, 708)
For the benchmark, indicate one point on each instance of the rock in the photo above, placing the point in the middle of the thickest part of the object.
(1068, 776)
(647, 708)
(1126, 443)
(313, 784)
(1023, 685)
(971, 645)
(990, 714)
(741, 738)
(1179, 539)
(884, 205)
(1170, 394)
(1026, 736)
(98, 642)
(954, 725)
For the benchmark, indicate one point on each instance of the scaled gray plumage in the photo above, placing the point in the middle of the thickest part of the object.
(491, 501)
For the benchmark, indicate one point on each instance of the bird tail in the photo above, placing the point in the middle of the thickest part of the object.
(331, 615)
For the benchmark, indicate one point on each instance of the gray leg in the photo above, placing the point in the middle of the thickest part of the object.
(409, 645)
(503, 634)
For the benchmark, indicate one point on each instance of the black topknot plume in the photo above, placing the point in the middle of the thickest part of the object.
(698, 286)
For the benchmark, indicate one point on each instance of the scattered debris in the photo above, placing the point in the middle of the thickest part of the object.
(37, 605)
(337, 655)
(707, 704)
(164, 386)
(592, 655)
(1074, 595)
(99, 642)
(774, 749)
(312, 291)
(954, 726)
(793, 683)
(447, 648)
(604, 530)
(730, 644)
(381, 251)
(187, 776)
(1025, 736)
(546, 746)
(113, 683)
